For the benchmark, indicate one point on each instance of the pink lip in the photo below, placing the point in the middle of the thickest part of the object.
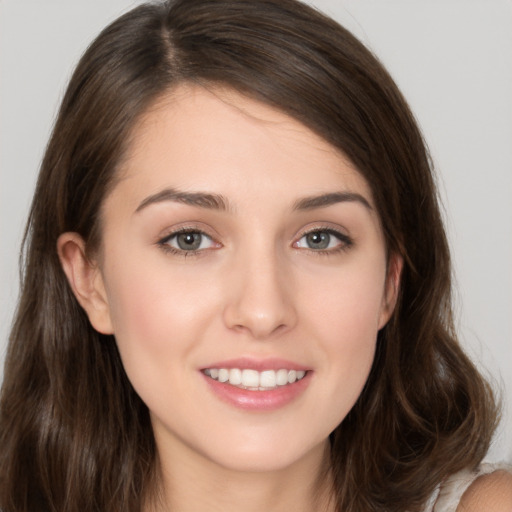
(257, 364)
(258, 400)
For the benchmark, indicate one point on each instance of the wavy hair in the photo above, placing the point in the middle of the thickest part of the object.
(74, 436)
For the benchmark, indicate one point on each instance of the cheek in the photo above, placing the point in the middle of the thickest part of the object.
(349, 305)
(137, 307)
(346, 322)
(157, 315)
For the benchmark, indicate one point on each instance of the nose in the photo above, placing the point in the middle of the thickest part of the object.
(260, 299)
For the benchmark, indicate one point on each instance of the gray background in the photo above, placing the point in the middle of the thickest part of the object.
(451, 58)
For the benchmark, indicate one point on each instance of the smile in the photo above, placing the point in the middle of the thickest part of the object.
(254, 380)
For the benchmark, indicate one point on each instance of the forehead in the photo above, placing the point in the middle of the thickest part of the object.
(192, 138)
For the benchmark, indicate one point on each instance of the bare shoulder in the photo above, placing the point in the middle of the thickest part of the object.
(488, 493)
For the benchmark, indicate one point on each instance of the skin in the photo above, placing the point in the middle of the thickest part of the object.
(489, 493)
(255, 288)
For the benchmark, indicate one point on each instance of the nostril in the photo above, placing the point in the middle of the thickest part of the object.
(259, 303)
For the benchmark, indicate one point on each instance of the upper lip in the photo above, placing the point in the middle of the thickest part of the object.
(257, 364)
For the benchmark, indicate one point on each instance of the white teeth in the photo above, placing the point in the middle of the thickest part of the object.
(282, 377)
(250, 378)
(235, 377)
(268, 379)
(254, 380)
(223, 375)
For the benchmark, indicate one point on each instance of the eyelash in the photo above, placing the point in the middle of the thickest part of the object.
(164, 242)
(345, 244)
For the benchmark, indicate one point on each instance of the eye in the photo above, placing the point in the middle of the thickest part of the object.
(187, 241)
(323, 240)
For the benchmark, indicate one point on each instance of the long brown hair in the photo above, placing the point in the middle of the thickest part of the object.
(74, 436)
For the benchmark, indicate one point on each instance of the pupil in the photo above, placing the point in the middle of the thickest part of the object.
(318, 240)
(189, 241)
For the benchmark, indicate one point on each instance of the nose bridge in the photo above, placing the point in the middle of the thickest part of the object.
(260, 301)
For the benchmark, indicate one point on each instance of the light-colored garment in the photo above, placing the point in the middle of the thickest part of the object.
(447, 496)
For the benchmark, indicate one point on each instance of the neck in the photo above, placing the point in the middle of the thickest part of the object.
(195, 483)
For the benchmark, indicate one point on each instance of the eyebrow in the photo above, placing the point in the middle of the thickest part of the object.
(218, 202)
(323, 200)
(199, 199)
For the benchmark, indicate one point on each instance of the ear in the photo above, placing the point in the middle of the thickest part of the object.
(392, 287)
(86, 281)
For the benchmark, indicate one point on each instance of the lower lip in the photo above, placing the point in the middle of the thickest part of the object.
(258, 400)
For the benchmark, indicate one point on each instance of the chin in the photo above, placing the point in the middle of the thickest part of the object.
(264, 455)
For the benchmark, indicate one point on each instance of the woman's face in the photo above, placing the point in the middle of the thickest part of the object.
(239, 245)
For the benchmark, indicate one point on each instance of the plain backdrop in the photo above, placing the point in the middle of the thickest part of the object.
(451, 58)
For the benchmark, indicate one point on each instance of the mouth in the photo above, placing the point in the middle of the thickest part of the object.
(254, 380)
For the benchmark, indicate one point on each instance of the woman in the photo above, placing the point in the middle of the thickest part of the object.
(237, 283)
